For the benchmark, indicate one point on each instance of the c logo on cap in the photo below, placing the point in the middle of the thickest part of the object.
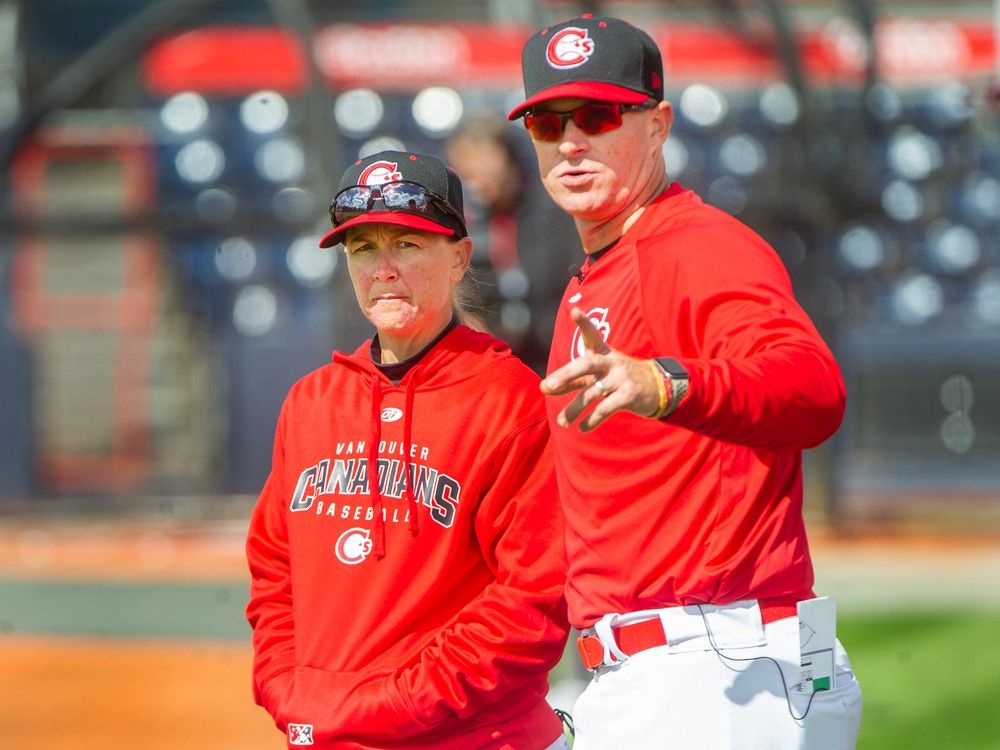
(380, 172)
(569, 48)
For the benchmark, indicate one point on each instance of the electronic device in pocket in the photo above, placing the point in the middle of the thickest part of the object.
(817, 636)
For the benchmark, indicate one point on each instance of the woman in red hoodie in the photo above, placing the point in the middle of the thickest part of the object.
(423, 609)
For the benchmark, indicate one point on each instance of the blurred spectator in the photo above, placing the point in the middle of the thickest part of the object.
(524, 244)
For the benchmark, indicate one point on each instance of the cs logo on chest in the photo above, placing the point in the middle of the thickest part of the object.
(599, 317)
(354, 545)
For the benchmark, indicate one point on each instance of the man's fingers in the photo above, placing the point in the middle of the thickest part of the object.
(599, 413)
(618, 382)
(587, 396)
(605, 408)
(591, 336)
(580, 372)
(554, 385)
(574, 375)
(573, 409)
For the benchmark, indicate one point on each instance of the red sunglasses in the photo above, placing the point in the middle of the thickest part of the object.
(592, 118)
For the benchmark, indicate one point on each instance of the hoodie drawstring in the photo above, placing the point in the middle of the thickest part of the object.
(407, 424)
(374, 479)
(373, 476)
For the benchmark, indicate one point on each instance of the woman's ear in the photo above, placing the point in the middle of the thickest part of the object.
(463, 257)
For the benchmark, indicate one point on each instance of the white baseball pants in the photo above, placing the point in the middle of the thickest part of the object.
(686, 696)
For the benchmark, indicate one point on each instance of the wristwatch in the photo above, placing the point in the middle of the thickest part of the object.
(675, 380)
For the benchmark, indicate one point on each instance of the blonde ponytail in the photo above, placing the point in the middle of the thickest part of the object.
(467, 304)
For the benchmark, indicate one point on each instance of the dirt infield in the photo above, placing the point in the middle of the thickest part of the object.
(83, 694)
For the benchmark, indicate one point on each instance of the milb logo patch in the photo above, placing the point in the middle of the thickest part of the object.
(300, 734)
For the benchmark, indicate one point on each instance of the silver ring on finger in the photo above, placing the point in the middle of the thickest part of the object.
(601, 388)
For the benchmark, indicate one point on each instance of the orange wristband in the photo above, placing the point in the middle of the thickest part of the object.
(662, 393)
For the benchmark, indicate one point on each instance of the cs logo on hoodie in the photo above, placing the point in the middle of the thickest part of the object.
(354, 545)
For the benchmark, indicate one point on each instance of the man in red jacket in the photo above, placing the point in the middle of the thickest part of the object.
(697, 381)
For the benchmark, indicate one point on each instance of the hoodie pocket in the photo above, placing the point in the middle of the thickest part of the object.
(350, 704)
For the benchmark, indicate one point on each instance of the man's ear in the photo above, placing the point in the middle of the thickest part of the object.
(662, 120)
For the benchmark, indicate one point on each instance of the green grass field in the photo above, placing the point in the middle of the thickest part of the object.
(930, 679)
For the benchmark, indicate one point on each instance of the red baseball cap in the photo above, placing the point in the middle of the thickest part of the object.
(443, 214)
(605, 59)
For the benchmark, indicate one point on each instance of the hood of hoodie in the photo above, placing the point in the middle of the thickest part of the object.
(460, 355)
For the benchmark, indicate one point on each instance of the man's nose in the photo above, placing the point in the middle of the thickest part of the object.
(573, 139)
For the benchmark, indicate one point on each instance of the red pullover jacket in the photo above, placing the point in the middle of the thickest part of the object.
(424, 610)
(706, 505)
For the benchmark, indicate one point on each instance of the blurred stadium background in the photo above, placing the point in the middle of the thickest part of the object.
(166, 170)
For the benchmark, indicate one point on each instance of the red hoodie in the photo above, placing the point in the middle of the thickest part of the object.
(706, 505)
(426, 611)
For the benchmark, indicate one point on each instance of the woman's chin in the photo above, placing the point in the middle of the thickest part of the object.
(390, 315)
(390, 326)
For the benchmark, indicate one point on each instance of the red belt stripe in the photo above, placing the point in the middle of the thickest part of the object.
(649, 633)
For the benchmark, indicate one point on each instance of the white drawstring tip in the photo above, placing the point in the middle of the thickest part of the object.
(603, 629)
